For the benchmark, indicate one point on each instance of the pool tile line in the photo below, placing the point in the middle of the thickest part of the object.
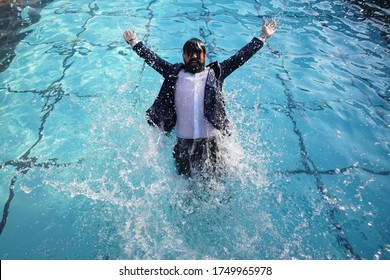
(344, 59)
(25, 162)
(204, 34)
(149, 22)
(13, 24)
(335, 171)
(7, 205)
(310, 167)
(136, 99)
(55, 90)
(22, 167)
(307, 162)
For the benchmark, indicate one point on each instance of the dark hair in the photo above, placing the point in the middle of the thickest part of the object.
(194, 45)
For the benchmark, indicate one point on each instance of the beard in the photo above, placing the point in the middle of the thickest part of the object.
(194, 66)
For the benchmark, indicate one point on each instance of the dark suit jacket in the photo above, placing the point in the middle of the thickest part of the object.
(163, 113)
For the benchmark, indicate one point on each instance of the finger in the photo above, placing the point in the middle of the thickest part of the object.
(127, 36)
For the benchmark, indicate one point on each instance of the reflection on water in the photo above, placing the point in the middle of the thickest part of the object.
(14, 16)
(85, 176)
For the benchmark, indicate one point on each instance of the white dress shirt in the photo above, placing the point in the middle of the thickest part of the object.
(191, 122)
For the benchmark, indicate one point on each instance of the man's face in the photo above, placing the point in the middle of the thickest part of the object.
(194, 61)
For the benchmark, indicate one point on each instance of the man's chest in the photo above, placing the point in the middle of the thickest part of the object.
(190, 88)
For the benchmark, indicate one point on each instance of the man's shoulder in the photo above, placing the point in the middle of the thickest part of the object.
(215, 67)
(176, 67)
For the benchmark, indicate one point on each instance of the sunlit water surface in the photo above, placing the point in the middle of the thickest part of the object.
(83, 176)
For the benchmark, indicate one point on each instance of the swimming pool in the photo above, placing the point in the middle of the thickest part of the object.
(84, 177)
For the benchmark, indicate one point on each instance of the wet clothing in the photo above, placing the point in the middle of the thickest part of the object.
(191, 122)
(163, 112)
(196, 156)
(198, 119)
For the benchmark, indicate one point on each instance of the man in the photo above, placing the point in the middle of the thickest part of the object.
(190, 99)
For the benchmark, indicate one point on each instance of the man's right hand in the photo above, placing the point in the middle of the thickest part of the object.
(268, 29)
(130, 37)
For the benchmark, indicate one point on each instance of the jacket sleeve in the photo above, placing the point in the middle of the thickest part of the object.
(152, 59)
(242, 56)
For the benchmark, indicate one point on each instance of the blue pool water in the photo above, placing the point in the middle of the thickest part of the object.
(83, 176)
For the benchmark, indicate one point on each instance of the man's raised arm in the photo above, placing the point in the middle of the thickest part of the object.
(151, 58)
(245, 53)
